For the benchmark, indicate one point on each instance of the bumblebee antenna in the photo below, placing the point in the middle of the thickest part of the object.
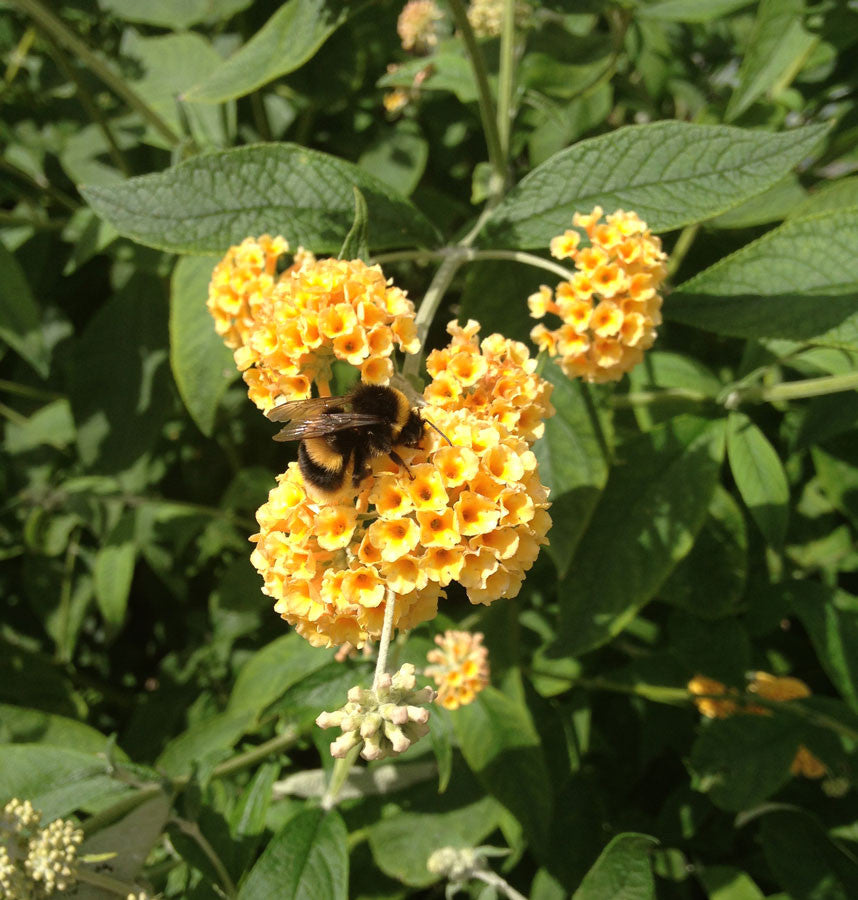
(439, 431)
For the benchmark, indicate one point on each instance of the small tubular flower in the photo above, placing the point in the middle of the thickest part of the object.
(774, 688)
(460, 667)
(610, 307)
(495, 379)
(385, 720)
(474, 513)
(36, 862)
(287, 329)
(418, 25)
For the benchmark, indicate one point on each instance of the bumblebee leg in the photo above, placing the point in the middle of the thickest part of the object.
(361, 466)
(400, 462)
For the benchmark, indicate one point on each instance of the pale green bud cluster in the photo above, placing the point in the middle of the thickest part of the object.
(35, 863)
(456, 864)
(385, 720)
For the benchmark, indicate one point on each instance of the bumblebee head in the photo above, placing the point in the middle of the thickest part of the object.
(412, 430)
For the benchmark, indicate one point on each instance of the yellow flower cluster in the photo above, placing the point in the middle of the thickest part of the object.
(610, 307)
(495, 379)
(486, 16)
(286, 330)
(474, 512)
(417, 25)
(460, 667)
(774, 688)
(41, 861)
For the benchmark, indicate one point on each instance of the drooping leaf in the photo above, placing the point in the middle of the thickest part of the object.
(670, 173)
(356, 244)
(286, 41)
(114, 569)
(760, 477)
(778, 40)
(33, 726)
(831, 619)
(209, 202)
(204, 740)
(797, 282)
(573, 462)
(202, 366)
(498, 739)
(691, 10)
(169, 14)
(623, 871)
(20, 327)
(649, 514)
(306, 860)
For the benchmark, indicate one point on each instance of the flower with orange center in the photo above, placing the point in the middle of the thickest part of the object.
(417, 25)
(459, 667)
(286, 330)
(611, 300)
(564, 245)
(394, 538)
(495, 379)
(774, 688)
(335, 526)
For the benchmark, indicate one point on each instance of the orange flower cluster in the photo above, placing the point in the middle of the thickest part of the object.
(461, 667)
(417, 25)
(769, 687)
(474, 512)
(286, 330)
(494, 379)
(611, 306)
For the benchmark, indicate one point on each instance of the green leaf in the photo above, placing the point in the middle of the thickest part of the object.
(402, 842)
(777, 43)
(306, 859)
(839, 194)
(573, 463)
(772, 205)
(498, 739)
(20, 325)
(114, 569)
(670, 173)
(690, 10)
(19, 725)
(356, 244)
(760, 477)
(741, 761)
(202, 366)
(204, 741)
(450, 71)
(51, 426)
(56, 780)
(273, 670)
(649, 515)
(728, 883)
(830, 618)
(120, 384)
(210, 202)
(169, 14)
(622, 871)
(398, 158)
(171, 64)
(806, 863)
(286, 41)
(797, 282)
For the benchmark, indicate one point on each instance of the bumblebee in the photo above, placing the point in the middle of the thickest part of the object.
(340, 435)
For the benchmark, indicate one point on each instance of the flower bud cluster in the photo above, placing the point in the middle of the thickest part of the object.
(610, 307)
(287, 329)
(486, 16)
(460, 667)
(725, 702)
(34, 862)
(385, 720)
(417, 25)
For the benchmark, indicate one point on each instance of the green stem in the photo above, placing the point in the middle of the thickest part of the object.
(25, 390)
(486, 103)
(57, 29)
(528, 259)
(107, 882)
(503, 886)
(506, 78)
(42, 185)
(63, 648)
(13, 219)
(12, 415)
(192, 830)
(681, 248)
(90, 107)
(431, 301)
(384, 642)
(407, 256)
(342, 767)
(793, 390)
(667, 395)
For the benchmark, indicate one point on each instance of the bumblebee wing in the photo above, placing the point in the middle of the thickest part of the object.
(304, 409)
(325, 424)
